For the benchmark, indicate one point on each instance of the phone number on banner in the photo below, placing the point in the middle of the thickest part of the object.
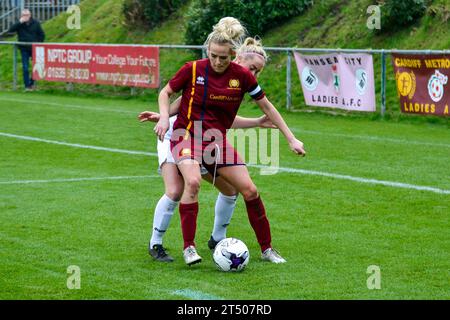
(68, 73)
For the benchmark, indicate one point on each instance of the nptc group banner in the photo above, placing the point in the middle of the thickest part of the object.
(422, 83)
(337, 80)
(134, 66)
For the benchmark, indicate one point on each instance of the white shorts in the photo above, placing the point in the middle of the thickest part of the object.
(164, 153)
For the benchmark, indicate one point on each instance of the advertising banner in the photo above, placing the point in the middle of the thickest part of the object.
(133, 66)
(337, 80)
(422, 83)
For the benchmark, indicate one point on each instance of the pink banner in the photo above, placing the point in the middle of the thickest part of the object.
(133, 66)
(337, 80)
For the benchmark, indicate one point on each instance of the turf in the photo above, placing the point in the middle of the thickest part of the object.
(329, 229)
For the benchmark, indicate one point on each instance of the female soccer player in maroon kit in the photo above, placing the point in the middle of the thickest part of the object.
(252, 56)
(213, 90)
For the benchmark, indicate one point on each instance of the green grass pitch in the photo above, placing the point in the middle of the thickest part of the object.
(329, 228)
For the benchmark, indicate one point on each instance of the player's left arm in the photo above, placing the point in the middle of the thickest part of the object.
(261, 122)
(267, 107)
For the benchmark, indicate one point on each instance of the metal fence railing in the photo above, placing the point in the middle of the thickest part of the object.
(9, 13)
(42, 10)
(47, 9)
(283, 50)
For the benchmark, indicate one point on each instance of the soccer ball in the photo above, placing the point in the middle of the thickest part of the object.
(231, 254)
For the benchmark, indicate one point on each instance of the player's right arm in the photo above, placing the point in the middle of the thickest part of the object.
(176, 84)
(164, 105)
(154, 116)
(175, 107)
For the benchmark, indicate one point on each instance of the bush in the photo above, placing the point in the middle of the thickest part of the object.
(396, 14)
(256, 15)
(148, 13)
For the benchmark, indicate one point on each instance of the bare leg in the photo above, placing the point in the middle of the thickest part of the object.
(239, 178)
(221, 184)
(190, 169)
(173, 182)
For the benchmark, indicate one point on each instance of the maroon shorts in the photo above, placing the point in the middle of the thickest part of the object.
(212, 155)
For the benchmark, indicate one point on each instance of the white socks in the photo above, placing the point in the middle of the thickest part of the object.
(164, 211)
(161, 220)
(224, 211)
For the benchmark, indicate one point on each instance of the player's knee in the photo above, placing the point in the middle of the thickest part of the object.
(228, 191)
(174, 193)
(193, 185)
(250, 192)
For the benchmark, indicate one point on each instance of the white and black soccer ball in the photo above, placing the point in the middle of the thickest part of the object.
(231, 254)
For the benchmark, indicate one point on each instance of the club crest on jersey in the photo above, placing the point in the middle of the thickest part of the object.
(200, 80)
(185, 152)
(234, 84)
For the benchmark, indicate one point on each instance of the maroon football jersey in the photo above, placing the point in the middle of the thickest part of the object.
(210, 97)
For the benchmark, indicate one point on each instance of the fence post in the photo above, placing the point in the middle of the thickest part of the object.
(14, 67)
(383, 83)
(288, 80)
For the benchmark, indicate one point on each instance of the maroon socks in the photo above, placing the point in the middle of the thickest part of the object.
(260, 224)
(188, 217)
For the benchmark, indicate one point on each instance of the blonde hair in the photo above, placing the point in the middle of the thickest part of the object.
(228, 30)
(252, 46)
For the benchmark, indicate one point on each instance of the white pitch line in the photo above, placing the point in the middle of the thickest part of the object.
(78, 179)
(290, 170)
(76, 145)
(373, 138)
(195, 295)
(71, 106)
(331, 134)
(358, 179)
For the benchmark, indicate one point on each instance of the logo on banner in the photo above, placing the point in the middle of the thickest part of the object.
(39, 65)
(336, 78)
(309, 79)
(406, 84)
(436, 86)
(361, 81)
